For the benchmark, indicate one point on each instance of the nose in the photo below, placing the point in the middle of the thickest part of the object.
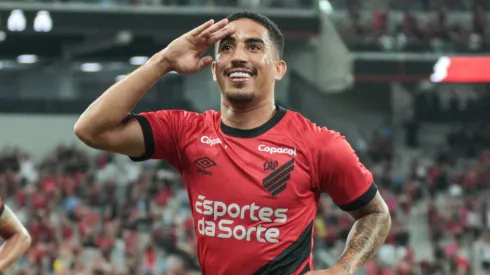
(239, 56)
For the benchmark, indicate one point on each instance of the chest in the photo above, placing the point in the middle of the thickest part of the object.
(274, 170)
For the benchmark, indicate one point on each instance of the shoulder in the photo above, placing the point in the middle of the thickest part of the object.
(320, 143)
(309, 131)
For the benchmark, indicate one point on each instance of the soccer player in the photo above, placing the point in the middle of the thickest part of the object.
(17, 239)
(254, 171)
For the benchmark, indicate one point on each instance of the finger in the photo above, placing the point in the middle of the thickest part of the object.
(204, 62)
(224, 32)
(214, 28)
(199, 29)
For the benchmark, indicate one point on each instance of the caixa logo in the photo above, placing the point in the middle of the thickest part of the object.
(210, 141)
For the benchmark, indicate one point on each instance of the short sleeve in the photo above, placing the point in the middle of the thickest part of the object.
(341, 174)
(162, 131)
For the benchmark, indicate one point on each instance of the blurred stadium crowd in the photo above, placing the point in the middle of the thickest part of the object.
(245, 3)
(373, 25)
(435, 31)
(337, 4)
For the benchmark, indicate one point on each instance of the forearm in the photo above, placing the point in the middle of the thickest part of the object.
(17, 239)
(113, 106)
(366, 236)
(12, 249)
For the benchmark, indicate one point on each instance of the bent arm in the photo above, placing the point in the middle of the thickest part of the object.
(105, 125)
(373, 223)
(17, 239)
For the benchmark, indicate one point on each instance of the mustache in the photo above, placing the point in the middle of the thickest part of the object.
(251, 70)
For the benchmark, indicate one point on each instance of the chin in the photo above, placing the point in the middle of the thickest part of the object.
(240, 96)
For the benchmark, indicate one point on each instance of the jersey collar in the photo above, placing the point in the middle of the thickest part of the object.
(250, 133)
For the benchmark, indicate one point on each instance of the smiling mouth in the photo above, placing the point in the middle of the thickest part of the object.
(239, 76)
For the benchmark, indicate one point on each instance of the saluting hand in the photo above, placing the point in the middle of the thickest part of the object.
(183, 55)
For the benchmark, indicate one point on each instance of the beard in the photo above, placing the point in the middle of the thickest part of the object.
(240, 97)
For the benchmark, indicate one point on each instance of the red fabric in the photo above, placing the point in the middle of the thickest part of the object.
(462, 262)
(162, 197)
(150, 258)
(38, 200)
(236, 183)
(104, 242)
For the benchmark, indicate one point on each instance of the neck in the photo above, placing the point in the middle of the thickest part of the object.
(247, 117)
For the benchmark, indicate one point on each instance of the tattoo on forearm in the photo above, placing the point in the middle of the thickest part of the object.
(366, 236)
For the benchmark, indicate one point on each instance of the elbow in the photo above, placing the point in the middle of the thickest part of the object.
(388, 221)
(89, 137)
(83, 133)
(385, 217)
(22, 239)
(79, 131)
(26, 240)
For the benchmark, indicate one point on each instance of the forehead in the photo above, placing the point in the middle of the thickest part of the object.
(246, 28)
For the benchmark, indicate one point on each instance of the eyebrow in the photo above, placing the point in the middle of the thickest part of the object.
(248, 40)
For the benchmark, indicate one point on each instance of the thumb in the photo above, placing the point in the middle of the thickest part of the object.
(204, 62)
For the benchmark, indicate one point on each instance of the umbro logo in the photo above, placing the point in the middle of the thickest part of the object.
(276, 182)
(203, 164)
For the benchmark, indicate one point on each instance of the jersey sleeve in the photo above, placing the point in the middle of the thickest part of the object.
(340, 173)
(162, 131)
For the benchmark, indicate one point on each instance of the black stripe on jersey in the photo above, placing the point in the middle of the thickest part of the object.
(148, 137)
(282, 185)
(291, 259)
(362, 200)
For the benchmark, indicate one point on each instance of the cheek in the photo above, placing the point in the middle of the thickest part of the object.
(218, 69)
(266, 64)
(267, 71)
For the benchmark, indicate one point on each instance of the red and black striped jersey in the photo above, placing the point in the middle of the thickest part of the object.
(254, 193)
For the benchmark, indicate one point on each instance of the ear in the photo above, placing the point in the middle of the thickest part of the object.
(213, 70)
(281, 69)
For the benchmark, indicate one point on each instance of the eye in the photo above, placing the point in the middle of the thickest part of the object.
(226, 47)
(254, 47)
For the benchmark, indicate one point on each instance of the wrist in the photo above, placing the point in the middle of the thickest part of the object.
(341, 269)
(160, 63)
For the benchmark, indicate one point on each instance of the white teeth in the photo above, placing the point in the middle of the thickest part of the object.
(239, 75)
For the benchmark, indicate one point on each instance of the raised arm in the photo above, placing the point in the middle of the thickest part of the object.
(106, 124)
